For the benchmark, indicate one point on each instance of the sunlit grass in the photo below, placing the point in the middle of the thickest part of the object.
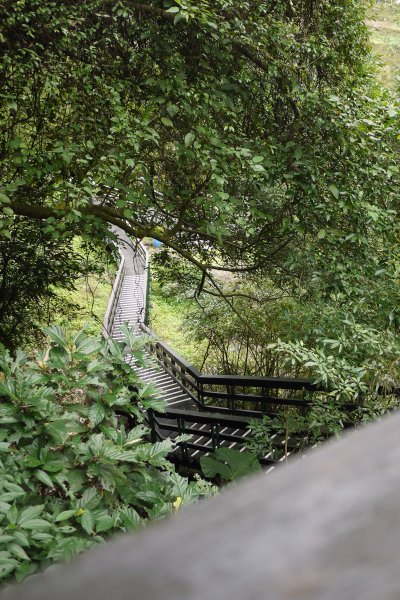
(384, 23)
(90, 299)
(168, 322)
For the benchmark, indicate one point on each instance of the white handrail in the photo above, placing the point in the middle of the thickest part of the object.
(145, 256)
(108, 320)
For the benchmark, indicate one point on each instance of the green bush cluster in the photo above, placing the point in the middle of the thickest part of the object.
(75, 462)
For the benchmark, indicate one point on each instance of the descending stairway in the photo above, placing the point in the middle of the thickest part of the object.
(130, 308)
(213, 410)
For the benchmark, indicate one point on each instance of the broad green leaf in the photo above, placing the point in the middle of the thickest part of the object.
(35, 524)
(96, 414)
(21, 538)
(211, 468)
(66, 514)
(87, 521)
(30, 513)
(40, 536)
(18, 551)
(56, 335)
(58, 430)
(239, 463)
(6, 538)
(44, 478)
(25, 569)
(131, 518)
(104, 524)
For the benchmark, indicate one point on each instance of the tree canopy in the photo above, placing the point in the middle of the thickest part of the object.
(225, 129)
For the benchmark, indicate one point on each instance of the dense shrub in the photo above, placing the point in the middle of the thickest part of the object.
(76, 465)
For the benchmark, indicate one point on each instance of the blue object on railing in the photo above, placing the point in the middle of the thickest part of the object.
(157, 243)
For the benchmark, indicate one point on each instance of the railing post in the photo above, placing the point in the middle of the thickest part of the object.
(200, 393)
(152, 424)
(148, 293)
(183, 445)
(231, 391)
(215, 435)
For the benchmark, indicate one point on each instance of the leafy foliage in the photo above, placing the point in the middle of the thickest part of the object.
(225, 129)
(229, 464)
(33, 266)
(292, 431)
(75, 462)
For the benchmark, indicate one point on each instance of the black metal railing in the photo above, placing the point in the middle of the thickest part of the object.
(209, 431)
(246, 396)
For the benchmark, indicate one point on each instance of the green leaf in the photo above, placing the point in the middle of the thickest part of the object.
(30, 513)
(240, 463)
(87, 521)
(211, 468)
(25, 569)
(89, 345)
(6, 538)
(21, 538)
(66, 514)
(173, 9)
(39, 536)
(178, 17)
(189, 138)
(167, 121)
(35, 524)
(104, 524)
(130, 518)
(155, 453)
(31, 462)
(44, 478)
(7, 566)
(10, 496)
(18, 551)
(56, 335)
(90, 499)
(66, 529)
(298, 153)
(58, 431)
(258, 159)
(96, 414)
(334, 191)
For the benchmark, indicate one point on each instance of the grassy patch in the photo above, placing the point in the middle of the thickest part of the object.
(90, 299)
(168, 322)
(384, 24)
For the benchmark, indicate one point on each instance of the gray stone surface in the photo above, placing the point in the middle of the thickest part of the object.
(325, 527)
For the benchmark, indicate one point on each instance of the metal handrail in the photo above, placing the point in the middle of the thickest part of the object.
(144, 256)
(246, 396)
(109, 316)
